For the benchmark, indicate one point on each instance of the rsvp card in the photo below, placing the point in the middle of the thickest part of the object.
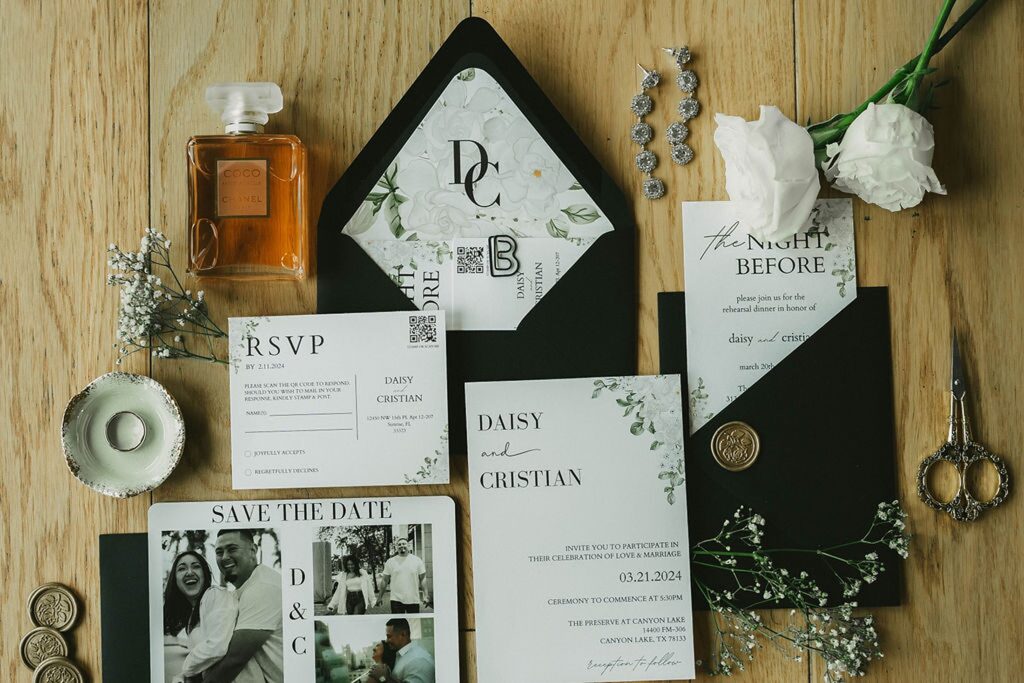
(353, 399)
(749, 303)
(580, 548)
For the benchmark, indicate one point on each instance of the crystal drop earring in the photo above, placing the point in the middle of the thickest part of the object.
(677, 132)
(641, 133)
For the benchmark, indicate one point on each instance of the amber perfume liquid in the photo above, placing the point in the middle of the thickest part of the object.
(247, 215)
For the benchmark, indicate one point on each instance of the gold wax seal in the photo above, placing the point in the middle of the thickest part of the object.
(57, 670)
(40, 644)
(735, 446)
(53, 605)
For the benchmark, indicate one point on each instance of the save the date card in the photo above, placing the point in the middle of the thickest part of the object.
(303, 590)
(358, 399)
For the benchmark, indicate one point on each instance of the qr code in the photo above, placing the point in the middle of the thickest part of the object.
(470, 260)
(422, 329)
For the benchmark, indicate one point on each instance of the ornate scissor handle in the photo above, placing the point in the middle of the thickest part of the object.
(964, 507)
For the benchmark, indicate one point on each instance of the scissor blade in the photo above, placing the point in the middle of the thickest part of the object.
(958, 384)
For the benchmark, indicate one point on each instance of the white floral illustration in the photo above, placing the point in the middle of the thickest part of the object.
(423, 193)
(238, 352)
(404, 255)
(699, 402)
(834, 215)
(434, 469)
(654, 409)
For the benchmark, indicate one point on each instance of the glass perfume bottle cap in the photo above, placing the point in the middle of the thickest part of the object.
(244, 107)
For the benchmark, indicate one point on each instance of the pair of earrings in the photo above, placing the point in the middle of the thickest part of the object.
(676, 133)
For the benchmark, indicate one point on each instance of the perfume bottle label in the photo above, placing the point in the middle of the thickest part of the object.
(242, 188)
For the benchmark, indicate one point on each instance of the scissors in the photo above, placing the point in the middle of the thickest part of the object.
(961, 451)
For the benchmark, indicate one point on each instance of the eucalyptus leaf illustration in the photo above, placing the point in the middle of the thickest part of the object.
(467, 74)
(394, 219)
(637, 395)
(556, 231)
(844, 276)
(581, 214)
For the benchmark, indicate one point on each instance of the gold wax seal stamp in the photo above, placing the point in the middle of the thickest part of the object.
(57, 670)
(42, 643)
(53, 605)
(735, 446)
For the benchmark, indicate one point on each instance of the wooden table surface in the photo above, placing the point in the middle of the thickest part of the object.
(97, 100)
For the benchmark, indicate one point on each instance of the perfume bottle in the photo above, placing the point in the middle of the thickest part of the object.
(246, 191)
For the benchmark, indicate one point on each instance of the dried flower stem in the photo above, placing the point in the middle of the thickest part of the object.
(156, 316)
(846, 643)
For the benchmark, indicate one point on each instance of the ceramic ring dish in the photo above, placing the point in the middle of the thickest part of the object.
(123, 434)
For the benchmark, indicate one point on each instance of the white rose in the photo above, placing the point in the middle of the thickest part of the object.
(769, 172)
(439, 214)
(885, 158)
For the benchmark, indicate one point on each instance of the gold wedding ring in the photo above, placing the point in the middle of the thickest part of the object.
(735, 446)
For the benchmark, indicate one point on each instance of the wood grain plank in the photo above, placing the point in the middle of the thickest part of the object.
(951, 260)
(73, 162)
(584, 56)
(342, 67)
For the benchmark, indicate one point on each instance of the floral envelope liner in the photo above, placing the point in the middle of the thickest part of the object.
(475, 167)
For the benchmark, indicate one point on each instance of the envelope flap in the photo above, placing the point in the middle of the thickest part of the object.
(600, 206)
(824, 416)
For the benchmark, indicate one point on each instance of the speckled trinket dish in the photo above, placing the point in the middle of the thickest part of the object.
(122, 435)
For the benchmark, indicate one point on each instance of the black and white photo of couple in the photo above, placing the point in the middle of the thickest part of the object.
(222, 613)
(373, 570)
(375, 649)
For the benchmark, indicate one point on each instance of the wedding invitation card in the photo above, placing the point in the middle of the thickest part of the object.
(580, 548)
(476, 215)
(303, 590)
(356, 399)
(749, 302)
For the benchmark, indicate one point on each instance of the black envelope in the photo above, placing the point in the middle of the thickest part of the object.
(824, 415)
(584, 326)
(124, 607)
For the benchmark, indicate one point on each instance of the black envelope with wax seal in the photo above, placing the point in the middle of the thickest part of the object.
(476, 198)
(824, 419)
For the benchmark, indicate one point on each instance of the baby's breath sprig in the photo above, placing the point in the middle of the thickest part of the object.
(157, 316)
(845, 642)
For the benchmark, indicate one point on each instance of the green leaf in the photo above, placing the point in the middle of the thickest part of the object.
(629, 409)
(575, 186)
(390, 209)
(671, 498)
(581, 214)
(636, 428)
(597, 392)
(650, 427)
(622, 401)
(655, 444)
(829, 246)
(467, 75)
(556, 231)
